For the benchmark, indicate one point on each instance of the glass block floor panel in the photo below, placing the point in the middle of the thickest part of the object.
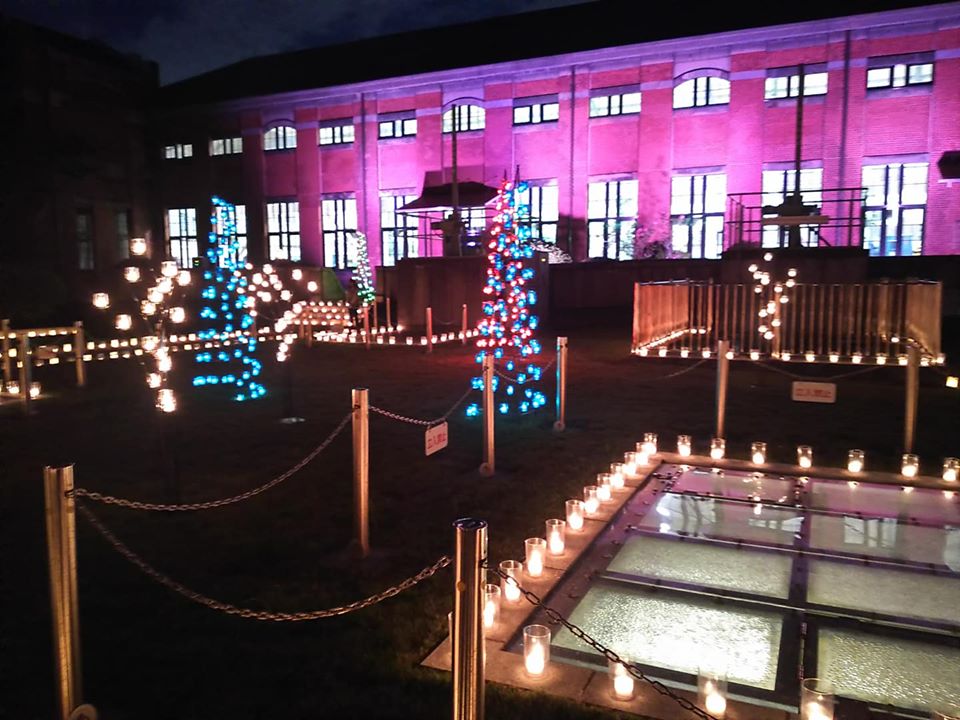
(928, 506)
(680, 633)
(891, 592)
(706, 517)
(734, 484)
(750, 571)
(908, 674)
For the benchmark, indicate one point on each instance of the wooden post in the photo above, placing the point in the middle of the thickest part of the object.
(366, 326)
(429, 322)
(79, 343)
(376, 314)
(5, 344)
(463, 324)
(561, 422)
(488, 465)
(25, 371)
(467, 628)
(388, 312)
(912, 399)
(361, 470)
(723, 380)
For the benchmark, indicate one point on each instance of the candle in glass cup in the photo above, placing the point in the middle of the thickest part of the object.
(536, 649)
(616, 476)
(536, 551)
(909, 465)
(556, 536)
(855, 461)
(491, 605)
(575, 511)
(805, 456)
(816, 699)
(604, 493)
(718, 448)
(684, 445)
(649, 444)
(712, 692)
(622, 684)
(758, 453)
(591, 503)
(951, 469)
(509, 586)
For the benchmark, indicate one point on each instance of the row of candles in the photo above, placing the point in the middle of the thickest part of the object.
(810, 357)
(13, 388)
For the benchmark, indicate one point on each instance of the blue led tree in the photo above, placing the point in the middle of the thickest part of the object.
(228, 308)
(508, 325)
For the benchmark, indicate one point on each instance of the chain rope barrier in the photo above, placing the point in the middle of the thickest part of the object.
(609, 654)
(424, 423)
(208, 505)
(250, 613)
(512, 379)
(829, 378)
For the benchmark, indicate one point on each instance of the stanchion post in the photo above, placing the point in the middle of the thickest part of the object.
(5, 344)
(463, 324)
(366, 326)
(723, 380)
(376, 313)
(62, 561)
(561, 422)
(79, 343)
(487, 467)
(913, 398)
(25, 371)
(635, 334)
(467, 631)
(388, 312)
(429, 323)
(361, 470)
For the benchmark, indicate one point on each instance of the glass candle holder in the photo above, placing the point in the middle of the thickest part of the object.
(575, 512)
(101, 300)
(591, 503)
(556, 536)
(536, 649)
(909, 465)
(536, 553)
(630, 464)
(805, 456)
(649, 444)
(131, 274)
(13, 387)
(712, 692)
(622, 684)
(509, 586)
(168, 268)
(684, 445)
(124, 322)
(718, 448)
(616, 476)
(758, 453)
(604, 491)
(491, 605)
(951, 469)
(138, 246)
(855, 461)
(34, 390)
(816, 699)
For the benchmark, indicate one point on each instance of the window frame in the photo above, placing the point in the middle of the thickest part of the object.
(403, 235)
(535, 202)
(242, 235)
(338, 132)
(696, 243)
(337, 242)
(229, 145)
(284, 242)
(791, 73)
(284, 136)
(402, 125)
(898, 207)
(614, 224)
(537, 107)
(608, 94)
(187, 245)
(709, 78)
(891, 62)
(778, 233)
(178, 151)
(475, 121)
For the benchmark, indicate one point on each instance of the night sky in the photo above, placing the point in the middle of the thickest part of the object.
(188, 37)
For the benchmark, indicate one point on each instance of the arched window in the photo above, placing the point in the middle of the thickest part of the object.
(469, 117)
(700, 88)
(281, 137)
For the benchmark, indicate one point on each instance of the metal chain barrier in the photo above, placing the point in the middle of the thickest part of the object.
(681, 371)
(249, 613)
(185, 507)
(609, 654)
(416, 421)
(838, 376)
(509, 378)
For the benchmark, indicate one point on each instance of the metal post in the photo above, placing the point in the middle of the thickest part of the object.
(561, 422)
(635, 340)
(5, 344)
(366, 326)
(376, 313)
(463, 324)
(429, 313)
(913, 397)
(487, 466)
(361, 470)
(25, 370)
(62, 562)
(723, 380)
(79, 343)
(467, 634)
(388, 311)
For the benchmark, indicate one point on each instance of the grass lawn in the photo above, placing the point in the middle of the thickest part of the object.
(148, 653)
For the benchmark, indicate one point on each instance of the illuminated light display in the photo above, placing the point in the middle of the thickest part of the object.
(363, 275)
(508, 324)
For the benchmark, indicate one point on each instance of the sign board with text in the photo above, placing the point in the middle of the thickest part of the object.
(436, 438)
(815, 392)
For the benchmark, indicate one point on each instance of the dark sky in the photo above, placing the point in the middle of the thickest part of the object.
(188, 37)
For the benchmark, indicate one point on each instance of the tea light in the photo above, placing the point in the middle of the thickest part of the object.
(616, 476)
(622, 685)
(177, 314)
(148, 308)
(101, 300)
(166, 401)
(34, 390)
(575, 512)
(604, 493)
(684, 445)
(591, 503)
(13, 387)
(536, 551)
(508, 585)
(491, 605)
(758, 453)
(649, 445)
(816, 699)
(168, 268)
(153, 380)
(312, 286)
(556, 536)
(183, 278)
(630, 462)
(712, 692)
(124, 322)
(536, 649)
(805, 456)
(718, 448)
(138, 246)
(951, 469)
(131, 274)
(855, 460)
(909, 465)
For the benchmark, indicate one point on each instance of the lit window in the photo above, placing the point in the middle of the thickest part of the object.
(283, 230)
(611, 219)
(398, 230)
(240, 227)
(397, 125)
(697, 204)
(536, 110)
(543, 202)
(339, 218)
(897, 71)
(182, 235)
(777, 185)
(84, 228)
(469, 117)
(701, 91)
(785, 82)
(178, 151)
(336, 132)
(282, 137)
(895, 208)
(226, 146)
(614, 101)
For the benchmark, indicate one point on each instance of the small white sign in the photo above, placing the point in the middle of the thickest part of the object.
(436, 438)
(815, 392)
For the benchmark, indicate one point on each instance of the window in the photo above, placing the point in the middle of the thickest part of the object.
(469, 117)
(178, 151)
(535, 110)
(611, 218)
(701, 90)
(240, 226)
(785, 82)
(894, 208)
(777, 185)
(614, 101)
(282, 137)
(336, 132)
(182, 235)
(697, 204)
(226, 146)
(339, 232)
(283, 230)
(122, 226)
(84, 229)
(543, 201)
(897, 71)
(397, 125)
(398, 231)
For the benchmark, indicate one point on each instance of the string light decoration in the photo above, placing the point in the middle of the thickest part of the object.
(363, 275)
(508, 324)
(773, 295)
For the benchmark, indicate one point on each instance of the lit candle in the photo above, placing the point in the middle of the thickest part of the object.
(34, 390)
(684, 445)
(622, 684)
(177, 314)
(124, 322)
(166, 401)
(805, 456)
(556, 536)
(312, 286)
(603, 487)
(508, 585)
(536, 649)
(131, 274)
(138, 246)
(716, 704)
(13, 387)
(711, 691)
(491, 605)
(630, 462)
(101, 300)
(758, 453)
(616, 476)
(536, 549)
(591, 503)
(649, 445)
(855, 460)
(183, 278)
(575, 512)
(168, 268)
(718, 448)
(909, 465)
(951, 469)
(297, 274)
(816, 699)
